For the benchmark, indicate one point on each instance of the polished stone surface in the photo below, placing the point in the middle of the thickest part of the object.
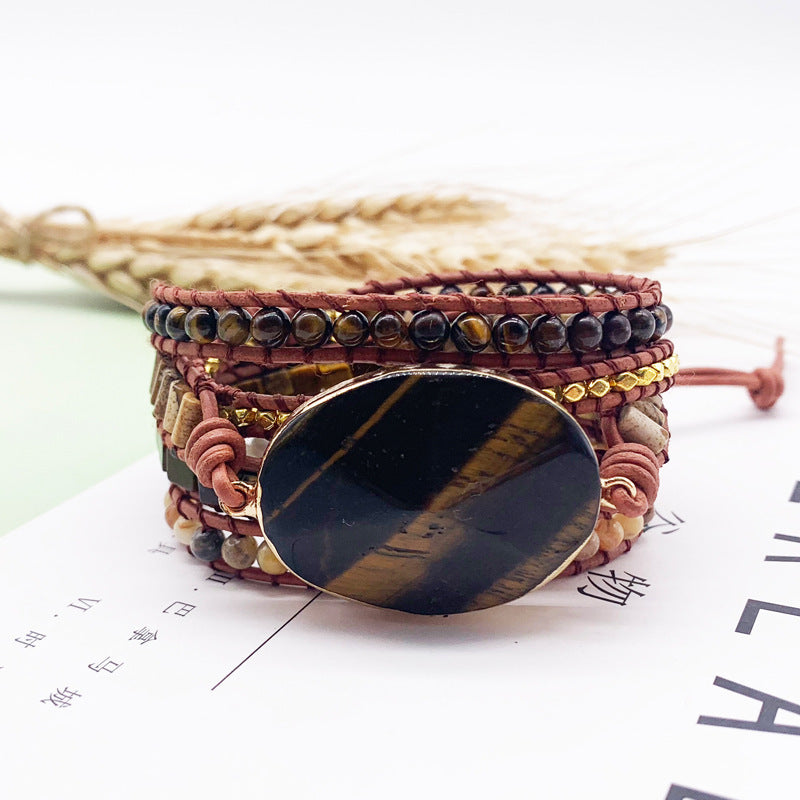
(432, 491)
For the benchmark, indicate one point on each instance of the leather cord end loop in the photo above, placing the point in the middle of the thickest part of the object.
(639, 465)
(215, 451)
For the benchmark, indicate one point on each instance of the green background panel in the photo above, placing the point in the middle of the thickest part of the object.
(75, 405)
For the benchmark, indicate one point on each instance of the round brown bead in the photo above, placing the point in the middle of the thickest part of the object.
(174, 324)
(233, 326)
(201, 325)
(270, 327)
(351, 328)
(584, 332)
(311, 327)
(510, 334)
(481, 290)
(616, 330)
(471, 332)
(160, 319)
(388, 329)
(513, 290)
(548, 334)
(429, 329)
(643, 326)
(451, 288)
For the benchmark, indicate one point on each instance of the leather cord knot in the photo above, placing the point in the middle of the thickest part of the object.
(639, 465)
(215, 451)
(770, 381)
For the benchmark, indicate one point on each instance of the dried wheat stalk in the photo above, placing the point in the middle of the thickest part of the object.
(328, 244)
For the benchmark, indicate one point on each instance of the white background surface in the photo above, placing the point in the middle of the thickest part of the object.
(672, 121)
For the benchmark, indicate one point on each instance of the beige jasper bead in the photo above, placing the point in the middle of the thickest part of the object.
(184, 529)
(631, 526)
(590, 548)
(634, 426)
(167, 500)
(610, 533)
(239, 551)
(268, 561)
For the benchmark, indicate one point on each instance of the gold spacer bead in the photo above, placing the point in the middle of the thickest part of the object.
(623, 382)
(645, 376)
(267, 420)
(553, 394)
(212, 366)
(659, 370)
(573, 392)
(599, 387)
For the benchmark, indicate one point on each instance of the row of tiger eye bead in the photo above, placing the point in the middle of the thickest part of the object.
(428, 329)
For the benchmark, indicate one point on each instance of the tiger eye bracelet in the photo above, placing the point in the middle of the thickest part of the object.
(434, 445)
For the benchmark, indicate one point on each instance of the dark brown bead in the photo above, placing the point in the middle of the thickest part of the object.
(148, 315)
(351, 328)
(471, 333)
(548, 334)
(451, 288)
(270, 327)
(513, 290)
(201, 325)
(311, 327)
(174, 324)
(233, 326)
(643, 326)
(429, 329)
(616, 330)
(584, 332)
(481, 290)
(510, 334)
(388, 329)
(663, 318)
(543, 288)
(160, 319)
(572, 289)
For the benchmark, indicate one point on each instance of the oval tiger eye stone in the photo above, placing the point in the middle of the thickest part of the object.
(548, 334)
(429, 329)
(510, 334)
(351, 328)
(233, 326)
(431, 491)
(174, 324)
(201, 325)
(311, 327)
(388, 329)
(471, 333)
(270, 327)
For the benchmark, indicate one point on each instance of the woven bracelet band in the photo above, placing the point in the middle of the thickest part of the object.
(432, 453)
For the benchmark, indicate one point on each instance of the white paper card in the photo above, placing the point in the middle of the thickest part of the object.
(128, 672)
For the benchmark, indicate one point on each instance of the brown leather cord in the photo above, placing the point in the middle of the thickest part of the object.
(765, 384)
(637, 293)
